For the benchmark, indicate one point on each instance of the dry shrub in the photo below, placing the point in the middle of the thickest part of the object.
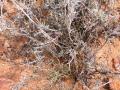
(68, 31)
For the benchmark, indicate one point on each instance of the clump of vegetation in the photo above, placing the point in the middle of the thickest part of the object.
(69, 31)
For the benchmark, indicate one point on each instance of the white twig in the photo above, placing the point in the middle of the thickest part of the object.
(41, 28)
